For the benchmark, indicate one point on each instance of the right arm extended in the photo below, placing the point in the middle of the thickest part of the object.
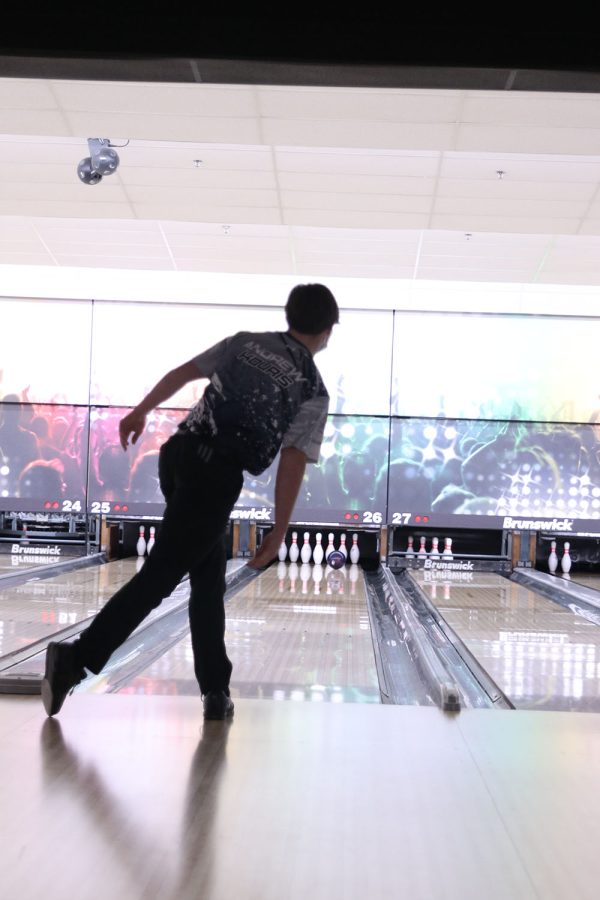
(134, 422)
(290, 472)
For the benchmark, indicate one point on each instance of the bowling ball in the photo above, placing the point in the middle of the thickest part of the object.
(336, 559)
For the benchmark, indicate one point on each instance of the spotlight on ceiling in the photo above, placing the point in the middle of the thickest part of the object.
(103, 160)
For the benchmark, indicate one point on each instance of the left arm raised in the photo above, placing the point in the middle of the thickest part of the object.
(134, 422)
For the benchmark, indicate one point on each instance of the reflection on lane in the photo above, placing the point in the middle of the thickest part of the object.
(36, 609)
(539, 653)
(587, 579)
(291, 634)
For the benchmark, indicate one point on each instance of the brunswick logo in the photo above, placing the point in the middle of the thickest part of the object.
(19, 550)
(458, 566)
(263, 514)
(538, 524)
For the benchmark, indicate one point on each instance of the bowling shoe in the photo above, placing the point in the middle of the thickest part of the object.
(61, 675)
(217, 705)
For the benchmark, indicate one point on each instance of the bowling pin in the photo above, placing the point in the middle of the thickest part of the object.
(447, 554)
(306, 552)
(318, 552)
(152, 540)
(281, 555)
(422, 554)
(24, 538)
(305, 573)
(139, 563)
(553, 558)
(141, 544)
(330, 547)
(294, 552)
(410, 554)
(281, 573)
(342, 547)
(434, 553)
(354, 551)
(565, 562)
(293, 573)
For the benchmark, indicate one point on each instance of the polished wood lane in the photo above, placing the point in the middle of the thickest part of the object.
(37, 609)
(540, 654)
(289, 637)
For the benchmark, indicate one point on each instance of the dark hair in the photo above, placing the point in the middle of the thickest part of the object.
(311, 309)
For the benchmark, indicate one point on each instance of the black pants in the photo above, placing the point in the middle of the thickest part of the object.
(200, 490)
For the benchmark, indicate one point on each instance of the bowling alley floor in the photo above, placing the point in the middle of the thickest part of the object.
(128, 797)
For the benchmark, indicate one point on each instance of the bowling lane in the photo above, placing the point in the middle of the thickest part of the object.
(37, 609)
(588, 579)
(540, 654)
(33, 666)
(288, 638)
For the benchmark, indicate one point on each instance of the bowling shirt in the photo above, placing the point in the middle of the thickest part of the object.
(265, 393)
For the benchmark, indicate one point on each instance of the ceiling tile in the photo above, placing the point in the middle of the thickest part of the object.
(215, 157)
(354, 218)
(200, 197)
(363, 104)
(38, 173)
(113, 262)
(553, 209)
(86, 226)
(522, 108)
(211, 229)
(543, 168)
(494, 188)
(122, 126)
(25, 259)
(90, 195)
(405, 237)
(61, 208)
(348, 133)
(355, 201)
(140, 250)
(356, 271)
(192, 178)
(357, 184)
(527, 139)
(34, 122)
(516, 276)
(184, 245)
(254, 266)
(224, 215)
(26, 93)
(356, 162)
(573, 276)
(520, 225)
(75, 237)
(202, 100)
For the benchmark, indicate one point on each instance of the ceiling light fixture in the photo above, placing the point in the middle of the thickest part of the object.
(103, 160)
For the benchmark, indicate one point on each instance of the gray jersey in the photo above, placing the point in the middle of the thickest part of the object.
(265, 392)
